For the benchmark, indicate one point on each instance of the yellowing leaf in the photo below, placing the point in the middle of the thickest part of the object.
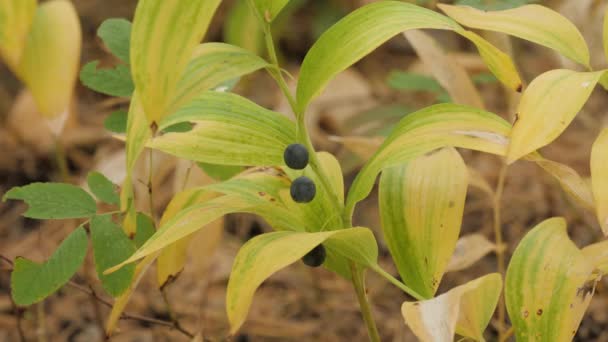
(605, 33)
(355, 36)
(535, 23)
(599, 178)
(597, 254)
(51, 57)
(420, 201)
(466, 310)
(547, 107)
(570, 181)
(548, 285)
(164, 35)
(266, 254)
(332, 169)
(429, 129)
(451, 75)
(16, 17)
(229, 130)
(469, 249)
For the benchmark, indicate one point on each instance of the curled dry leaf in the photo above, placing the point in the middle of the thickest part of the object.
(465, 310)
(469, 249)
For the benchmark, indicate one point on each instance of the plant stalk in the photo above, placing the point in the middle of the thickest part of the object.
(61, 161)
(498, 240)
(358, 280)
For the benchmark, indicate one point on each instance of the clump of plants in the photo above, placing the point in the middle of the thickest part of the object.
(181, 104)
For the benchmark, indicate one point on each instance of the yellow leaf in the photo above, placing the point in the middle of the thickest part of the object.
(163, 37)
(548, 285)
(535, 23)
(16, 18)
(599, 178)
(605, 33)
(570, 181)
(266, 254)
(466, 310)
(51, 57)
(547, 107)
(332, 169)
(451, 75)
(420, 201)
(469, 249)
(597, 254)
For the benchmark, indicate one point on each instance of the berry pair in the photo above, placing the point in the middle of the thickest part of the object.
(302, 189)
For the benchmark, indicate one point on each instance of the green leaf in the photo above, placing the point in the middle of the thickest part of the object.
(549, 284)
(32, 282)
(111, 246)
(103, 188)
(420, 201)
(113, 82)
(163, 38)
(211, 65)
(145, 229)
(116, 34)
(179, 128)
(53, 200)
(533, 128)
(266, 254)
(220, 172)
(229, 130)
(269, 9)
(409, 81)
(242, 28)
(535, 23)
(116, 122)
(427, 130)
(357, 35)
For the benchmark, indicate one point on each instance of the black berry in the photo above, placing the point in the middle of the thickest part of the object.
(315, 257)
(296, 156)
(303, 189)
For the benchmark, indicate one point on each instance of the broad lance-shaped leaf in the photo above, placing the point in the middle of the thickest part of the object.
(210, 65)
(269, 9)
(427, 130)
(242, 28)
(164, 35)
(368, 27)
(171, 260)
(549, 284)
(229, 130)
(111, 246)
(103, 188)
(32, 282)
(116, 35)
(53, 200)
(535, 23)
(599, 178)
(420, 201)
(16, 18)
(266, 254)
(50, 61)
(547, 107)
(466, 310)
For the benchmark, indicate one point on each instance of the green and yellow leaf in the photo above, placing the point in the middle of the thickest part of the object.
(269, 9)
(242, 28)
(549, 284)
(535, 23)
(599, 178)
(466, 310)
(419, 201)
(547, 107)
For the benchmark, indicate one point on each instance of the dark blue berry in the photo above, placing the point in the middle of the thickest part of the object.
(303, 190)
(296, 156)
(315, 257)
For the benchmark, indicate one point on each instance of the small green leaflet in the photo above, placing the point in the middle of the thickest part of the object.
(145, 229)
(111, 246)
(32, 282)
(116, 122)
(54, 201)
(103, 188)
(113, 82)
(116, 35)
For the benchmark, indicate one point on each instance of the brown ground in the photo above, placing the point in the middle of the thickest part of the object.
(297, 304)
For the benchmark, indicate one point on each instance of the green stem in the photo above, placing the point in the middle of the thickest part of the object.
(396, 282)
(500, 256)
(366, 310)
(61, 160)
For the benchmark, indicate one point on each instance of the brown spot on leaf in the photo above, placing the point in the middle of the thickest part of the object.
(526, 313)
(519, 88)
(539, 312)
(262, 193)
(516, 118)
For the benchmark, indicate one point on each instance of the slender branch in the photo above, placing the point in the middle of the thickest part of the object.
(170, 311)
(394, 281)
(359, 285)
(61, 161)
(125, 315)
(500, 256)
